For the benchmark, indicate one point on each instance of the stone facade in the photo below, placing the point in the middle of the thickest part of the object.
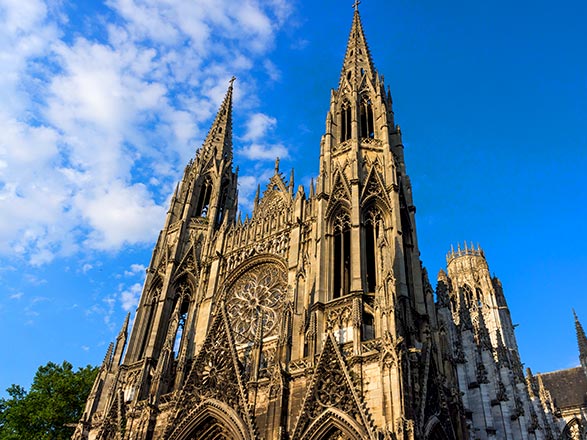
(314, 318)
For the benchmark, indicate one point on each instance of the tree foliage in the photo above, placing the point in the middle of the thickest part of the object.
(56, 399)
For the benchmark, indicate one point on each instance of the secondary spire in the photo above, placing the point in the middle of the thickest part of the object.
(581, 338)
(218, 142)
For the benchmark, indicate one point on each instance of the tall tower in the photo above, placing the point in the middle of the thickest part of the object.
(370, 284)
(165, 331)
(203, 203)
(499, 401)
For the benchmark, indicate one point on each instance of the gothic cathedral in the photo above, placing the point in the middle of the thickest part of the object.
(314, 318)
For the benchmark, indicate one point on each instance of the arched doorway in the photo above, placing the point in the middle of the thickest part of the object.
(333, 424)
(434, 430)
(209, 428)
(212, 420)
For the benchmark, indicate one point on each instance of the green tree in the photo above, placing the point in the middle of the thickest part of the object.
(56, 399)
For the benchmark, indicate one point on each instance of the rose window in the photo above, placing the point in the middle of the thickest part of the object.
(256, 299)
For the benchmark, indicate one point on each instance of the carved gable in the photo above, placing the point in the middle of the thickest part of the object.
(215, 374)
(332, 394)
(373, 188)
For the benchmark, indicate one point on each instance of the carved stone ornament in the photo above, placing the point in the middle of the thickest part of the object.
(215, 374)
(332, 388)
(256, 299)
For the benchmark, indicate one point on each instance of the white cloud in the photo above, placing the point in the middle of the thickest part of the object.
(105, 309)
(258, 131)
(247, 187)
(85, 119)
(129, 298)
(36, 281)
(264, 152)
(87, 267)
(120, 214)
(16, 296)
(258, 125)
(272, 70)
(135, 269)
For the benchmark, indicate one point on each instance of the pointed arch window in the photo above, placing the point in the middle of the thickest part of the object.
(368, 326)
(342, 254)
(345, 121)
(366, 117)
(468, 295)
(204, 199)
(152, 307)
(373, 229)
(221, 203)
(453, 304)
(182, 319)
(479, 297)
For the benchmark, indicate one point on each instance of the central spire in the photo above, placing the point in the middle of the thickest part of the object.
(357, 61)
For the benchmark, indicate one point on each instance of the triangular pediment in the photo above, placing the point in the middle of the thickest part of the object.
(276, 196)
(341, 190)
(374, 188)
(331, 390)
(190, 261)
(215, 374)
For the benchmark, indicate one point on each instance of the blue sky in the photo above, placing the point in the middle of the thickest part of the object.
(103, 103)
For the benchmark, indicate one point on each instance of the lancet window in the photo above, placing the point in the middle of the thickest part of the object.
(342, 254)
(152, 307)
(204, 199)
(368, 326)
(373, 229)
(468, 294)
(366, 118)
(479, 297)
(407, 238)
(182, 318)
(345, 121)
(221, 203)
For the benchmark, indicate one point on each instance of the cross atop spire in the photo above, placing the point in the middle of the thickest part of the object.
(356, 5)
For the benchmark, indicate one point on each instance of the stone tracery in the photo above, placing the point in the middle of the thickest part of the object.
(256, 300)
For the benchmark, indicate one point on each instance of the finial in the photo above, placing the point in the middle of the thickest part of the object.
(581, 338)
(124, 328)
(277, 165)
(257, 194)
(356, 5)
(232, 80)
